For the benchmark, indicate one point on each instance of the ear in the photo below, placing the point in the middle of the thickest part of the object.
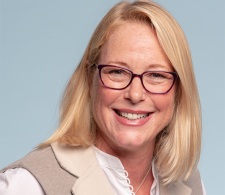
(87, 64)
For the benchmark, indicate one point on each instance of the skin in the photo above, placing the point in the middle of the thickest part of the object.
(134, 46)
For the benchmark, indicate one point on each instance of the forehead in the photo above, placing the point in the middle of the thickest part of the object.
(134, 44)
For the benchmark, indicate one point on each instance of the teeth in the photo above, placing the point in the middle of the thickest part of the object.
(132, 116)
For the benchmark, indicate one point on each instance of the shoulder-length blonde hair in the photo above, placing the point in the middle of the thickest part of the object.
(178, 146)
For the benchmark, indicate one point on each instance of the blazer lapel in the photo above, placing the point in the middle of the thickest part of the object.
(83, 164)
(93, 182)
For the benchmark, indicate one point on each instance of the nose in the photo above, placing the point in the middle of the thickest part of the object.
(135, 92)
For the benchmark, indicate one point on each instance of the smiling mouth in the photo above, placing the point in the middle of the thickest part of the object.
(131, 116)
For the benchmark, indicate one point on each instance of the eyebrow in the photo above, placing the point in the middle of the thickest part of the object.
(157, 66)
(118, 63)
(152, 66)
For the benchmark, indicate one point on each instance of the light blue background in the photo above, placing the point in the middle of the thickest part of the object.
(41, 42)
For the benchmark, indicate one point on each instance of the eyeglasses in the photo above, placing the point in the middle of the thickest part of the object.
(157, 82)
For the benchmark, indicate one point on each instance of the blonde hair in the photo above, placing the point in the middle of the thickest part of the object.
(178, 146)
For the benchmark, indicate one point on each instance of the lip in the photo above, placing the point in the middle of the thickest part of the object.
(136, 122)
(133, 111)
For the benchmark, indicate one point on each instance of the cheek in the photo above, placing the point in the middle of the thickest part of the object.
(101, 98)
(99, 94)
(165, 103)
(165, 106)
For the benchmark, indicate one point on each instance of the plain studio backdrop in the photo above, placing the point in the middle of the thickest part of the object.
(41, 43)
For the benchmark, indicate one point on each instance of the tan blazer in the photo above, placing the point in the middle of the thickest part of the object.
(66, 170)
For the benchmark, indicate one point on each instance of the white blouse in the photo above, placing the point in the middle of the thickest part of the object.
(20, 181)
(118, 177)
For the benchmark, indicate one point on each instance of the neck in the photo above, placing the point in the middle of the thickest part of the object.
(136, 162)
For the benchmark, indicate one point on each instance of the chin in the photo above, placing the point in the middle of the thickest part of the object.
(131, 141)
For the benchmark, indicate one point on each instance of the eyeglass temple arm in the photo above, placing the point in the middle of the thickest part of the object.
(91, 66)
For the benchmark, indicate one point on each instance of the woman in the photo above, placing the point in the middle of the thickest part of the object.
(130, 115)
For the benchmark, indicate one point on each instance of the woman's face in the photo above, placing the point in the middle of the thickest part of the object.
(134, 46)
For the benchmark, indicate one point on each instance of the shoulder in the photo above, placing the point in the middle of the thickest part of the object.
(194, 182)
(44, 167)
(19, 181)
(193, 186)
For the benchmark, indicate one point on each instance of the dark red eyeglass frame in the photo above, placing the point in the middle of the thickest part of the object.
(174, 74)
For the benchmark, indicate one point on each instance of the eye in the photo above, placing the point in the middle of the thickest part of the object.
(156, 75)
(116, 71)
(156, 78)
